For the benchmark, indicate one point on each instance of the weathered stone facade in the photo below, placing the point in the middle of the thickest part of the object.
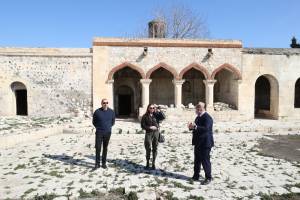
(58, 81)
(134, 72)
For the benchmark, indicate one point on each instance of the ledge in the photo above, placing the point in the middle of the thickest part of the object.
(150, 42)
(66, 52)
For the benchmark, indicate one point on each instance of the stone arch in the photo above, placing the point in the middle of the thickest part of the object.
(297, 94)
(161, 88)
(20, 92)
(266, 100)
(127, 79)
(229, 68)
(226, 89)
(166, 67)
(196, 66)
(193, 89)
(123, 65)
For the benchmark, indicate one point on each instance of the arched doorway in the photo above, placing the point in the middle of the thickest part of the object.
(162, 87)
(127, 92)
(20, 93)
(193, 89)
(226, 88)
(125, 101)
(297, 94)
(266, 97)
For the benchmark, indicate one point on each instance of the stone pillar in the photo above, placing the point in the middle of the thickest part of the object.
(110, 97)
(145, 92)
(178, 92)
(209, 94)
(238, 96)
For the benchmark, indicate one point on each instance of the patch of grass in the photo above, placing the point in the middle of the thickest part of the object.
(94, 193)
(118, 191)
(180, 185)
(45, 196)
(152, 184)
(132, 196)
(71, 183)
(84, 181)
(191, 181)
(289, 186)
(289, 196)
(243, 188)
(169, 195)
(10, 173)
(55, 174)
(195, 197)
(159, 181)
(29, 191)
(20, 166)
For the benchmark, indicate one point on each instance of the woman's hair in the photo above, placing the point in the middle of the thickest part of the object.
(149, 105)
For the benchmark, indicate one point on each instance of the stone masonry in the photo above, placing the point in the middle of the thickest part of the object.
(73, 81)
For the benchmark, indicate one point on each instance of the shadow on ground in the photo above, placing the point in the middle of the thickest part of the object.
(126, 165)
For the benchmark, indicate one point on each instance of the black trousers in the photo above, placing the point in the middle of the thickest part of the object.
(101, 139)
(202, 157)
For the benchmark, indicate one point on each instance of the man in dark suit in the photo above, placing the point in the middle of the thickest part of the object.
(203, 142)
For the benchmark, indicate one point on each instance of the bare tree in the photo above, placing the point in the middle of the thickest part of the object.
(181, 22)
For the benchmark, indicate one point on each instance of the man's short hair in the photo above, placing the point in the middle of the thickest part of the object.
(104, 99)
(201, 104)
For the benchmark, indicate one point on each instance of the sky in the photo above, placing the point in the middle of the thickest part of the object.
(74, 23)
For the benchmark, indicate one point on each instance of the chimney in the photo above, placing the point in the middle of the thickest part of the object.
(157, 29)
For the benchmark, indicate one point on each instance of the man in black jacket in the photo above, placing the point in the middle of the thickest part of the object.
(203, 142)
(103, 120)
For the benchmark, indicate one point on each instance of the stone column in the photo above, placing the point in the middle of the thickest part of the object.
(209, 94)
(110, 97)
(178, 92)
(238, 96)
(145, 91)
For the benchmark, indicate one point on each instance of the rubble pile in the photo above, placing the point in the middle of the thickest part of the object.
(220, 106)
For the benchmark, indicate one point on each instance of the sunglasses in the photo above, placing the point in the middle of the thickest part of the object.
(104, 102)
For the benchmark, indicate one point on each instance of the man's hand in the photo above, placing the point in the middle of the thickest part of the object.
(191, 126)
(154, 128)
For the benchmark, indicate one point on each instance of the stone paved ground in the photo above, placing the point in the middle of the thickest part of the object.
(61, 164)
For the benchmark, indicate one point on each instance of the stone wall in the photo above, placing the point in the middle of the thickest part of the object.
(170, 54)
(72, 81)
(58, 81)
(282, 68)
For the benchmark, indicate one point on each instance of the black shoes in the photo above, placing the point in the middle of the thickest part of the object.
(206, 181)
(97, 166)
(195, 178)
(147, 165)
(104, 166)
(153, 167)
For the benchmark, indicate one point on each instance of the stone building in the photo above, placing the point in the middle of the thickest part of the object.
(132, 73)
